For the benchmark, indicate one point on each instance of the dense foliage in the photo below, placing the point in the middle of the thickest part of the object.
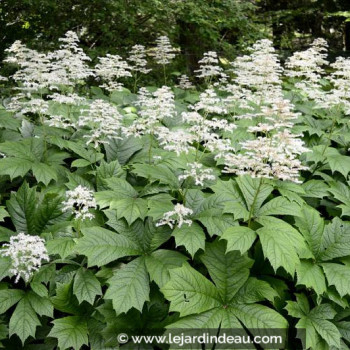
(196, 26)
(130, 208)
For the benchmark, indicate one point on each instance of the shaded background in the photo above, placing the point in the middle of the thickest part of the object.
(227, 26)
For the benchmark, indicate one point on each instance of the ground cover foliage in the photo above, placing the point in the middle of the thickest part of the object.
(128, 208)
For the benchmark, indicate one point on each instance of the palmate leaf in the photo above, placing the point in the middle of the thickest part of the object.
(228, 271)
(339, 276)
(21, 207)
(336, 240)
(254, 191)
(239, 238)
(279, 206)
(258, 316)
(62, 246)
(191, 237)
(231, 198)
(159, 173)
(315, 322)
(337, 161)
(27, 155)
(44, 173)
(190, 292)
(102, 246)
(131, 209)
(281, 243)
(31, 212)
(40, 304)
(160, 262)
(71, 332)
(86, 286)
(8, 298)
(341, 192)
(14, 167)
(311, 276)
(311, 225)
(129, 286)
(24, 320)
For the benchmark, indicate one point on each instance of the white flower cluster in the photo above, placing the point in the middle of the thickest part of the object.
(163, 53)
(110, 69)
(26, 253)
(209, 66)
(258, 74)
(198, 173)
(138, 59)
(176, 217)
(275, 153)
(184, 83)
(308, 66)
(154, 107)
(102, 120)
(79, 201)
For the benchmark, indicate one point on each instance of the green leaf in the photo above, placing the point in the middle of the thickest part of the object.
(327, 330)
(232, 199)
(258, 316)
(102, 246)
(281, 243)
(339, 276)
(5, 265)
(63, 246)
(21, 207)
(158, 172)
(189, 292)
(64, 300)
(86, 286)
(228, 271)
(8, 298)
(336, 240)
(299, 308)
(191, 237)
(44, 173)
(159, 204)
(338, 162)
(315, 189)
(254, 191)
(3, 213)
(160, 262)
(279, 206)
(24, 320)
(131, 209)
(239, 238)
(255, 290)
(122, 150)
(71, 332)
(14, 167)
(49, 212)
(41, 305)
(311, 276)
(129, 287)
(208, 319)
(311, 225)
(120, 187)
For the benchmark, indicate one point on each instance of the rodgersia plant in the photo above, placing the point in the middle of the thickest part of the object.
(111, 69)
(163, 53)
(176, 217)
(79, 201)
(26, 254)
(219, 204)
(209, 67)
